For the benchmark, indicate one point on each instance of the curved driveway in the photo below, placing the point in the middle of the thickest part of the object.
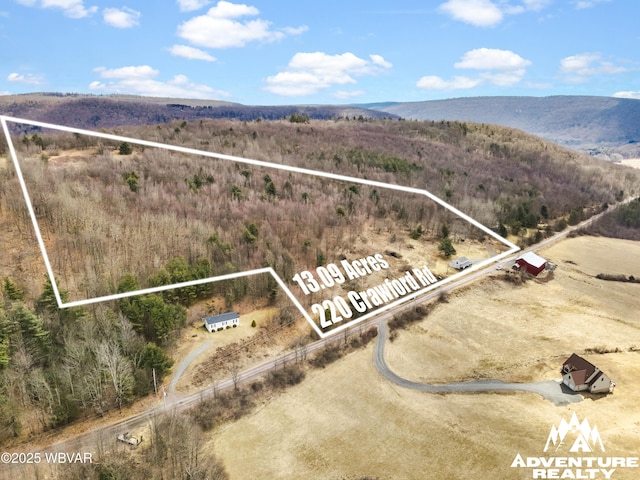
(551, 390)
(185, 363)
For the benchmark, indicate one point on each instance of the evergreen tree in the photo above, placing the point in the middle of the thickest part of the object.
(153, 357)
(125, 149)
(446, 247)
(11, 290)
(5, 332)
(34, 336)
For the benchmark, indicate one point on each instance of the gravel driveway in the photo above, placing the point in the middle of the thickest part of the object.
(551, 390)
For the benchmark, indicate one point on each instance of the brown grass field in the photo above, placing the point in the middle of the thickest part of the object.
(347, 422)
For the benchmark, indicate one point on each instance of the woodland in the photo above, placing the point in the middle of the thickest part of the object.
(117, 216)
(624, 222)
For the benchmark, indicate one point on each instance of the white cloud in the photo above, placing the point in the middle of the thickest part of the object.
(481, 13)
(492, 59)
(536, 5)
(504, 79)
(191, 53)
(578, 64)
(121, 17)
(496, 67)
(295, 84)
(71, 8)
(140, 71)
(433, 82)
(308, 73)
(221, 27)
(578, 67)
(628, 94)
(582, 4)
(295, 30)
(232, 10)
(191, 5)
(28, 79)
(379, 61)
(488, 13)
(140, 80)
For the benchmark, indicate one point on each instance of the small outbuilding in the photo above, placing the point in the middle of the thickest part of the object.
(222, 321)
(460, 263)
(579, 375)
(530, 262)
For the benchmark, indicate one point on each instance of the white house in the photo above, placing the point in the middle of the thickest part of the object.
(460, 263)
(222, 321)
(578, 374)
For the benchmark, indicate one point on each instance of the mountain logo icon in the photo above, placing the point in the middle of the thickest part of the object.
(580, 435)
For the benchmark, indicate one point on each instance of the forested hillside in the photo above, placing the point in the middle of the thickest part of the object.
(96, 111)
(624, 222)
(142, 206)
(150, 217)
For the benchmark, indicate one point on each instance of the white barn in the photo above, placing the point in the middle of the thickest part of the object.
(222, 321)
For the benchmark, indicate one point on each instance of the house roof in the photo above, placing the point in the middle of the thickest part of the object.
(595, 379)
(579, 377)
(459, 262)
(532, 259)
(213, 319)
(576, 363)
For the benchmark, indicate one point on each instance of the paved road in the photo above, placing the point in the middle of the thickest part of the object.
(550, 390)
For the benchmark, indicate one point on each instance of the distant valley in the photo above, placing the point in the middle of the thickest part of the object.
(606, 126)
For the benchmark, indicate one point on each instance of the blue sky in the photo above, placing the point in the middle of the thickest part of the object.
(350, 51)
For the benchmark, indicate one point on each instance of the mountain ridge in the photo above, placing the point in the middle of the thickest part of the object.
(605, 126)
(105, 111)
(588, 123)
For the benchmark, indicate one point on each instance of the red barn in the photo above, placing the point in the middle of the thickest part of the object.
(532, 263)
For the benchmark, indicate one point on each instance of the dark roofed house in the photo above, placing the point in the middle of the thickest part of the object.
(222, 321)
(579, 375)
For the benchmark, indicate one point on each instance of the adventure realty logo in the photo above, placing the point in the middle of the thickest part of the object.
(574, 437)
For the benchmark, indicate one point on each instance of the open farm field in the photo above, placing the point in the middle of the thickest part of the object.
(347, 422)
(522, 333)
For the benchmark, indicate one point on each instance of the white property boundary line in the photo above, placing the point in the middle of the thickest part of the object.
(4, 119)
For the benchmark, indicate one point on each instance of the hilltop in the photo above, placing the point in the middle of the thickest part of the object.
(105, 111)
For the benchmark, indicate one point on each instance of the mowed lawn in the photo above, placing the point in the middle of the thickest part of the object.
(346, 422)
